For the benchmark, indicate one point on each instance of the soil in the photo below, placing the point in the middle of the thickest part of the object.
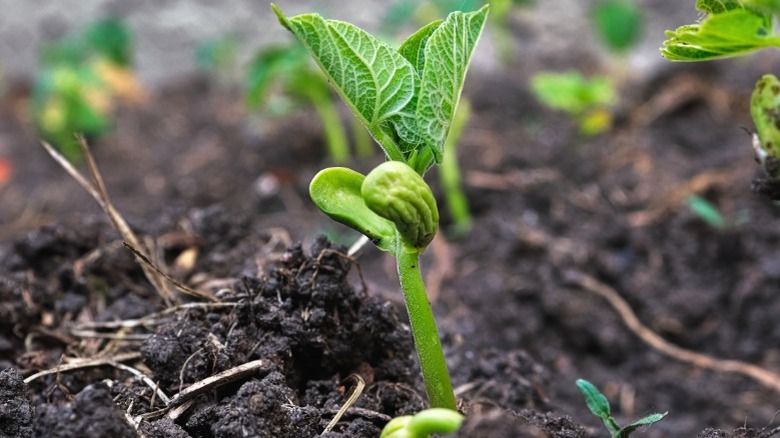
(558, 216)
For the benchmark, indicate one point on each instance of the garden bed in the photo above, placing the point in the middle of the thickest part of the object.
(561, 221)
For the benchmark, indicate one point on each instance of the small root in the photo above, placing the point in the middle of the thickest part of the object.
(763, 376)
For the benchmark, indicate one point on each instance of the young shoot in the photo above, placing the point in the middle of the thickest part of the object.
(586, 100)
(599, 406)
(81, 79)
(730, 28)
(449, 173)
(289, 68)
(407, 99)
(712, 216)
(733, 28)
(618, 24)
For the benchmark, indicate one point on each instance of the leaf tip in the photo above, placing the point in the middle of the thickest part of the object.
(280, 16)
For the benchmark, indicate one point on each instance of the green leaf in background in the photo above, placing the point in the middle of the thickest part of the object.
(216, 54)
(706, 211)
(729, 30)
(618, 23)
(571, 92)
(112, 39)
(447, 56)
(374, 80)
(267, 66)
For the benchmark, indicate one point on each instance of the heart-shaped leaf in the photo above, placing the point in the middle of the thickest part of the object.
(447, 54)
(374, 80)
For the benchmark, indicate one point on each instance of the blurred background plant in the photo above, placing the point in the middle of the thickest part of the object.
(587, 100)
(282, 79)
(617, 24)
(219, 57)
(710, 214)
(417, 13)
(80, 81)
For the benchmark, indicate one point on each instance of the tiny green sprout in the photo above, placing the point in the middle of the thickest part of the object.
(217, 54)
(586, 100)
(81, 79)
(709, 213)
(289, 68)
(706, 211)
(618, 23)
(407, 99)
(449, 174)
(423, 424)
(599, 406)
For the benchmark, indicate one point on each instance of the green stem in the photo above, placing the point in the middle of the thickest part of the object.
(387, 143)
(426, 336)
(335, 138)
(364, 147)
(457, 203)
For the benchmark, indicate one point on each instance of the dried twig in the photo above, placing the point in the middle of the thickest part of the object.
(346, 257)
(368, 414)
(179, 285)
(151, 319)
(113, 336)
(97, 189)
(357, 390)
(761, 375)
(144, 378)
(770, 433)
(85, 363)
(219, 379)
(676, 196)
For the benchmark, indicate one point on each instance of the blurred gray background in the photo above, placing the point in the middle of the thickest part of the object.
(168, 31)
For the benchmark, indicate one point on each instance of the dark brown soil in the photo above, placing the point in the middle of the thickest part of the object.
(518, 321)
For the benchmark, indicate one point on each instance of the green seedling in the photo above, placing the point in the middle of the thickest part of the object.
(709, 214)
(734, 28)
(599, 406)
(730, 28)
(586, 100)
(407, 99)
(449, 171)
(80, 81)
(289, 68)
(706, 211)
(216, 54)
(617, 23)
(423, 424)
